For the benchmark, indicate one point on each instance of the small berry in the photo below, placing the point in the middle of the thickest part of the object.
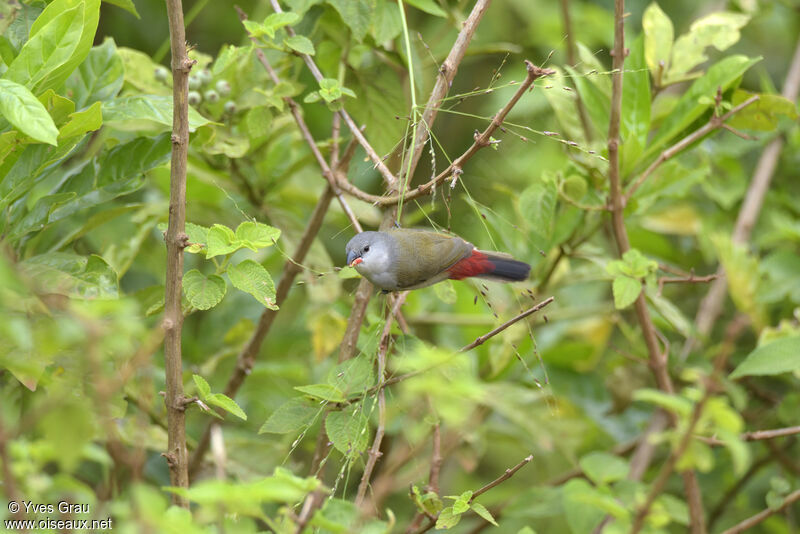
(194, 81)
(194, 98)
(161, 74)
(205, 76)
(211, 95)
(223, 87)
(230, 107)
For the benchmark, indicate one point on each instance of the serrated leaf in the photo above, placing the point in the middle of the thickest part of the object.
(324, 392)
(251, 277)
(72, 275)
(221, 240)
(24, 111)
(462, 502)
(99, 77)
(300, 43)
(348, 431)
(481, 510)
(198, 237)
(538, 204)
(226, 403)
(626, 290)
(447, 519)
(356, 14)
(203, 292)
(255, 235)
(203, 388)
(291, 416)
(776, 357)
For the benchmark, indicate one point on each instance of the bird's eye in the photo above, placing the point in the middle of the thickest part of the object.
(366, 249)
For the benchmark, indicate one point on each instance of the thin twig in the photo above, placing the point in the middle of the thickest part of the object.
(176, 239)
(502, 478)
(755, 435)
(377, 161)
(714, 123)
(456, 168)
(691, 279)
(375, 450)
(447, 71)
(711, 305)
(750, 522)
(482, 339)
(726, 500)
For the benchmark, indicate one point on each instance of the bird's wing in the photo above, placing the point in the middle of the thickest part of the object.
(427, 254)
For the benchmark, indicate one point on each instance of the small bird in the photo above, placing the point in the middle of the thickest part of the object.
(404, 258)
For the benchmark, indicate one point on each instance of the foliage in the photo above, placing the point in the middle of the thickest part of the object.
(84, 195)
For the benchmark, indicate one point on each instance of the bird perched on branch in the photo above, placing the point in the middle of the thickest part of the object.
(401, 259)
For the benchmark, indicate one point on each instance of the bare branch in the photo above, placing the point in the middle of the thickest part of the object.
(761, 516)
(756, 435)
(502, 478)
(444, 80)
(482, 339)
(456, 168)
(176, 239)
(391, 179)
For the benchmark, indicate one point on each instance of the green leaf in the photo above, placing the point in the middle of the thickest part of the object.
(574, 188)
(720, 30)
(671, 313)
(133, 113)
(386, 23)
(251, 277)
(24, 111)
(658, 37)
(483, 512)
(324, 392)
(462, 502)
(255, 235)
(353, 376)
(447, 519)
(300, 43)
(203, 388)
(356, 14)
(127, 5)
(636, 105)
(689, 108)
(291, 416)
(198, 237)
(348, 431)
(580, 517)
(52, 46)
(597, 103)
(91, 16)
(674, 403)
(776, 357)
(221, 240)
(763, 114)
(203, 292)
(603, 468)
(276, 21)
(537, 203)
(626, 290)
(86, 277)
(428, 6)
(99, 77)
(82, 122)
(226, 403)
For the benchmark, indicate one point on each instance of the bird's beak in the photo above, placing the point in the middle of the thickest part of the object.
(353, 259)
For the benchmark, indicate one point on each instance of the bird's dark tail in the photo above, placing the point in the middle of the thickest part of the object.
(506, 268)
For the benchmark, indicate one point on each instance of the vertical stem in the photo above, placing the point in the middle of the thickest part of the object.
(176, 239)
(413, 89)
(658, 361)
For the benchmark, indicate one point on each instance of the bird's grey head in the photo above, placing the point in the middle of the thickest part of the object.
(369, 252)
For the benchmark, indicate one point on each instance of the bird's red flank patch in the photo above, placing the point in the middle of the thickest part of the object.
(473, 265)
